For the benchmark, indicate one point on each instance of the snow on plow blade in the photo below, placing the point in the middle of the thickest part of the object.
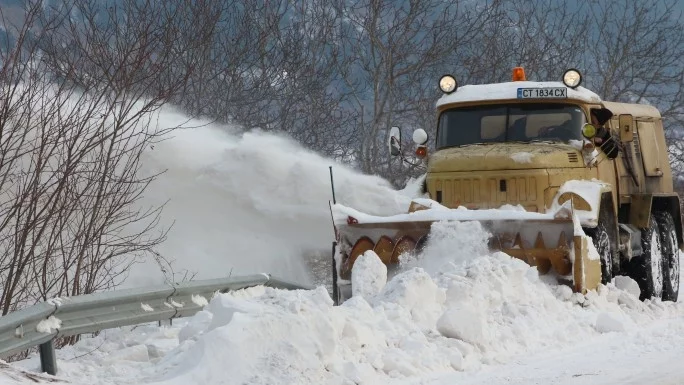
(547, 241)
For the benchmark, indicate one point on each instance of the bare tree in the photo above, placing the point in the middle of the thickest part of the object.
(269, 66)
(636, 55)
(77, 114)
(394, 53)
(543, 36)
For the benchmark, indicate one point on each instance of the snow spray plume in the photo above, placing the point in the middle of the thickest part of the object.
(251, 202)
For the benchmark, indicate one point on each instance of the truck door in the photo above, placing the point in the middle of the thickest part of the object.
(630, 166)
(649, 152)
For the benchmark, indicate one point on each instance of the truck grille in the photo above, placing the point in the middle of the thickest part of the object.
(486, 192)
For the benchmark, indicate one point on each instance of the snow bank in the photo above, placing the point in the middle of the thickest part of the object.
(450, 310)
(628, 285)
(115, 356)
(246, 203)
(453, 307)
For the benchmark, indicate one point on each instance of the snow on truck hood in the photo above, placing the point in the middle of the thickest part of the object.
(505, 156)
(509, 90)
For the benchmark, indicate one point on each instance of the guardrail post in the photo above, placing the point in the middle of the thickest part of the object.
(48, 361)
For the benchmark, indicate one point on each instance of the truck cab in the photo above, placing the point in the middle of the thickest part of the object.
(518, 143)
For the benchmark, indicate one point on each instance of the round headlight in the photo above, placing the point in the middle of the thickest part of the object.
(448, 84)
(572, 78)
(589, 131)
(420, 137)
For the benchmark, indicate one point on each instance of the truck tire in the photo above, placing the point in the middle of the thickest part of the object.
(601, 239)
(604, 237)
(670, 247)
(647, 269)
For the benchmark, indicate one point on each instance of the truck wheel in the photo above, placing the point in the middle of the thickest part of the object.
(647, 269)
(604, 237)
(601, 240)
(670, 247)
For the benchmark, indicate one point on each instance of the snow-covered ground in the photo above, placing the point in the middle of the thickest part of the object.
(454, 313)
(463, 316)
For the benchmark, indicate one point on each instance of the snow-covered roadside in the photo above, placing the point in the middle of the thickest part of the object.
(649, 355)
(450, 316)
(115, 356)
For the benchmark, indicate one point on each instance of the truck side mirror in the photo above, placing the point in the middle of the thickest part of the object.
(626, 126)
(394, 141)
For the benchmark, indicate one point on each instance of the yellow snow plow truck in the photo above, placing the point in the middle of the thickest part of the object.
(589, 180)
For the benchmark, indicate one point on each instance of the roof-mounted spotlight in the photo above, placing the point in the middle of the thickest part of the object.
(448, 84)
(572, 78)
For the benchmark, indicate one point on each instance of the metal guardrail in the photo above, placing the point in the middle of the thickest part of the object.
(26, 328)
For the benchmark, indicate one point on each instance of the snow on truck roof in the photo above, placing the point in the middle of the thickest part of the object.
(638, 110)
(511, 90)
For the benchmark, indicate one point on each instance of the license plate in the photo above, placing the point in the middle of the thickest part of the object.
(549, 92)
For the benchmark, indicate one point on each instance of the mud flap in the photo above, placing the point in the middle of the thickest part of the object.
(586, 271)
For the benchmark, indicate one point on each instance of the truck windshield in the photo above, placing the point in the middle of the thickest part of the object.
(509, 123)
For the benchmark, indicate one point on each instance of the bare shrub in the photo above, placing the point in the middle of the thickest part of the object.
(80, 90)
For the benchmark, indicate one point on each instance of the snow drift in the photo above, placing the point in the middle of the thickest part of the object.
(247, 203)
(475, 309)
(450, 310)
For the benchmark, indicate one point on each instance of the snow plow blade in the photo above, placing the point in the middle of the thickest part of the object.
(547, 241)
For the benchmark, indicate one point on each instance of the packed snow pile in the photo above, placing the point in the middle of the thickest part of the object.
(451, 245)
(369, 275)
(453, 308)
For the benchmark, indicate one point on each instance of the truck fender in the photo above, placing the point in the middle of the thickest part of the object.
(643, 205)
(671, 204)
(587, 198)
